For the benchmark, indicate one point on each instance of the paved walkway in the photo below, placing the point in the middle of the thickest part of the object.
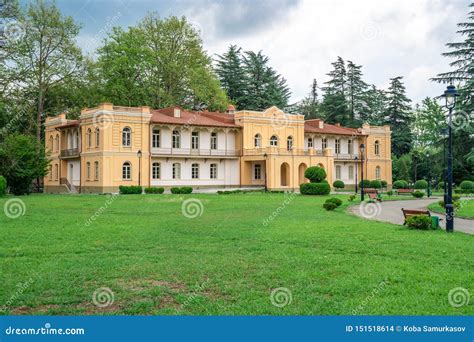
(391, 211)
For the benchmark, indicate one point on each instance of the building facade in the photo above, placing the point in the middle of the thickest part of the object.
(111, 146)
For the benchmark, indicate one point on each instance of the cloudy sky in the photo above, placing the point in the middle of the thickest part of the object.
(302, 37)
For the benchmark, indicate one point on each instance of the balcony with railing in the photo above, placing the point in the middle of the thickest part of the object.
(346, 156)
(282, 151)
(194, 152)
(70, 153)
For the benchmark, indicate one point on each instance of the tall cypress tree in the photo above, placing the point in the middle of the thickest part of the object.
(398, 116)
(230, 71)
(309, 106)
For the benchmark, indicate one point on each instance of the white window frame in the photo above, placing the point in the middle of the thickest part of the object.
(213, 171)
(351, 172)
(338, 172)
(257, 142)
(176, 170)
(350, 146)
(378, 172)
(289, 143)
(88, 171)
(195, 171)
(127, 171)
(176, 139)
(324, 143)
(97, 137)
(310, 142)
(337, 146)
(274, 141)
(156, 136)
(89, 138)
(156, 170)
(195, 140)
(126, 137)
(377, 148)
(257, 171)
(214, 141)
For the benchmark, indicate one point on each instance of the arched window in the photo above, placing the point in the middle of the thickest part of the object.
(56, 171)
(377, 148)
(310, 142)
(126, 137)
(57, 142)
(350, 148)
(213, 141)
(338, 146)
(50, 172)
(96, 170)
(195, 171)
(195, 140)
(88, 170)
(156, 171)
(213, 171)
(324, 143)
(289, 143)
(51, 146)
(176, 171)
(176, 139)
(126, 171)
(257, 140)
(338, 172)
(156, 138)
(378, 172)
(89, 138)
(274, 141)
(97, 137)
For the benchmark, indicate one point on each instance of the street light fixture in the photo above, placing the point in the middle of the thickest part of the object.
(139, 155)
(356, 167)
(450, 95)
(362, 150)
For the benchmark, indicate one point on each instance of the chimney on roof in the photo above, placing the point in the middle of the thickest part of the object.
(230, 109)
(338, 124)
(177, 112)
(321, 124)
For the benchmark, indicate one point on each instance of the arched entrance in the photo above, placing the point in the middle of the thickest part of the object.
(301, 169)
(285, 174)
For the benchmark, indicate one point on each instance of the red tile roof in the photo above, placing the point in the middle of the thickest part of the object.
(191, 118)
(69, 123)
(312, 126)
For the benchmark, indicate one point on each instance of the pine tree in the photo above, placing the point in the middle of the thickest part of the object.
(375, 102)
(335, 106)
(309, 106)
(398, 116)
(231, 74)
(356, 91)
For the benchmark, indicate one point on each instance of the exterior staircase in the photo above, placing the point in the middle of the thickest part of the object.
(69, 186)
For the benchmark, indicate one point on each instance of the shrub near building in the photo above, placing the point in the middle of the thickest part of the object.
(318, 185)
(3, 186)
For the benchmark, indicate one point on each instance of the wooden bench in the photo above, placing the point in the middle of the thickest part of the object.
(404, 191)
(373, 194)
(410, 212)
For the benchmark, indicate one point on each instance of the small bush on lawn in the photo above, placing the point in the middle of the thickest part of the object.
(154, 190)
(384, 184)
(421, 222)
(315, 174)
(400, 184)
(376, 184)
(456, 204)
(3, 186)
(456, 197)
(467, 187)
(366, 183)
(421, 184)
(418, 194)
(334, 200)
(338, 184)
(390, 192)
(329, 206)
(315, 189)
(182, 190)
(351, 198)
(130, 190)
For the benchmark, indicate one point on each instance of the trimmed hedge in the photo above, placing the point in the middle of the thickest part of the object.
(376, 184)
(315, 174)
(418, 194)
(367, 183)
(329, 206)
(315, 188)
(182, 190)
(334, 200)
(130, 190)
(338, 184)
(3, 186)
(467, 187)
(421, 222)
(384, 184)
(421, 184)
(153, 190)
(400, 184)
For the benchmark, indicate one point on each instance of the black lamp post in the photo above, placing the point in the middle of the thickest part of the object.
(362, 150)
(139, 155)
(265, 156)
(356, 167)
(450, 95)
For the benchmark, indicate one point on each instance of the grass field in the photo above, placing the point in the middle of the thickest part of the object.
(466, 210)
(225, 261)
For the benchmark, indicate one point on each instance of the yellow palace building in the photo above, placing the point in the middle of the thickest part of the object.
(112, 145)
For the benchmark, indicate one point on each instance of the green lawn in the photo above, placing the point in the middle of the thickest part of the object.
(466, 210)
(226, 261)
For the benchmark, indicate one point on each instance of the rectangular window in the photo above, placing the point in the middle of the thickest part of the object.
(310, 142)
(56, 171)
(195, 171)
(338, 146)
(338, 172)
(195, 140)
(176, 139)
(156, 171)
(88, 171)
(257, 171)
(213, 171)
(176, 171)
(126, 171)
(96, 170)
(214, 141)
(350, 150)
(325, 143)
(351, 172)
(156, 138)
